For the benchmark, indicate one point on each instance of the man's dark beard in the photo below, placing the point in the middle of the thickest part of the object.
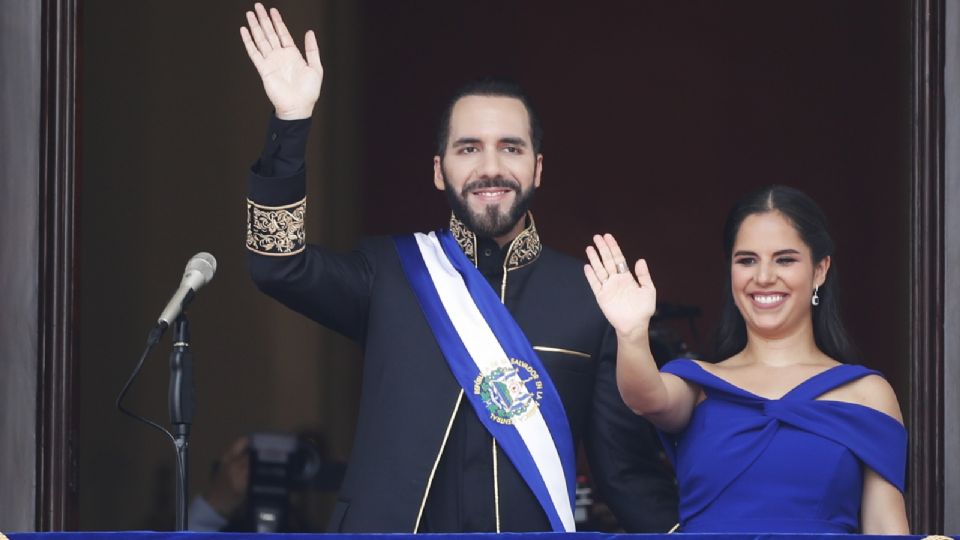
(491, 223)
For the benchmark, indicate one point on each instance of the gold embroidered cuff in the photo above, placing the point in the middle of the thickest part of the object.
(276, 230)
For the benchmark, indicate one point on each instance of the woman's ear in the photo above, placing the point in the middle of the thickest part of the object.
(820, 271)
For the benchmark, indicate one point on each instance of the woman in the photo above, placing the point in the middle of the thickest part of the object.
(780, 435)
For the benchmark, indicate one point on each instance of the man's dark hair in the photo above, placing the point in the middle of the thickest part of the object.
(493, 88)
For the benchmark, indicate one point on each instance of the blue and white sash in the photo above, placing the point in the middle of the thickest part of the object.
(500, 373)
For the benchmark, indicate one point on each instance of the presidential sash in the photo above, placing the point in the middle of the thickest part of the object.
(499, 371)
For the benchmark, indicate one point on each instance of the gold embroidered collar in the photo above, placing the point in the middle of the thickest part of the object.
(523, 250)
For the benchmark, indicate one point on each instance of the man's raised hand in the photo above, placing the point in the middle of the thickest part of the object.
(292, 83)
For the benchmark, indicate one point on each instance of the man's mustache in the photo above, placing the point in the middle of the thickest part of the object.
(486, 183)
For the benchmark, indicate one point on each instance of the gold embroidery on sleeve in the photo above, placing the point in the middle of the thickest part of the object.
(276, 230)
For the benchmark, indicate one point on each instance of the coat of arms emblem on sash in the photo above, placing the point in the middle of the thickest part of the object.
(511, 392)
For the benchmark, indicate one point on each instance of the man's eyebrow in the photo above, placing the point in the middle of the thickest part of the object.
(516, 141)
(466, 140)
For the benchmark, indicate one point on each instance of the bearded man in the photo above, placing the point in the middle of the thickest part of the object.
(487, 359)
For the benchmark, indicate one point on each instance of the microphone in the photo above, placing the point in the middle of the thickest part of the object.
(199, 271)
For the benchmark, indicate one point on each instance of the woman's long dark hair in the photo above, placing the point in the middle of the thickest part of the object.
(810, 222)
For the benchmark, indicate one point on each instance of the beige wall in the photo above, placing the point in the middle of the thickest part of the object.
(19, 239)
(951, 368)
(172, 117)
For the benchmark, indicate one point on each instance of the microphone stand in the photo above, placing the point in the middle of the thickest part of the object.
(182, 398)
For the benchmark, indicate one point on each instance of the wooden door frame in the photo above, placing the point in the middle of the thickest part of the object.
(58, 265)
(926, 277)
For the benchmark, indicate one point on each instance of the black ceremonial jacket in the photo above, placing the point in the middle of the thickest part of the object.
(421, 460)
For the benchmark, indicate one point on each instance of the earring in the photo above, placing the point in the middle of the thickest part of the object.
(816, 298)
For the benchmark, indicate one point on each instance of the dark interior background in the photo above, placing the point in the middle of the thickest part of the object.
(658, 116)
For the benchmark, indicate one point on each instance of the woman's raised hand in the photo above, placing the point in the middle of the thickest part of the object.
(292, 83)
(626, 302)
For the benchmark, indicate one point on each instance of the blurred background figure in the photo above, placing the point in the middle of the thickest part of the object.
(263, 483)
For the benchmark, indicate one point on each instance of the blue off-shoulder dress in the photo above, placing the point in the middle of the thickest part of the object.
(745, 463)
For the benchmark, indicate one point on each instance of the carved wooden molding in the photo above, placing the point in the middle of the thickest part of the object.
(925, 488)
(57, 318)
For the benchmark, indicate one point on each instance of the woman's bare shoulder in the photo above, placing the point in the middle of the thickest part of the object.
(870, 391)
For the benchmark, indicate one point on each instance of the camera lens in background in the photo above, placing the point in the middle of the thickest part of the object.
(279, 463)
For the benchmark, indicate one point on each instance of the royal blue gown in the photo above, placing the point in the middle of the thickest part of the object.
(746, 463)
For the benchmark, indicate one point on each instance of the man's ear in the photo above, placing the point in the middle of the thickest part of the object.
(438, 173)
(537, 171)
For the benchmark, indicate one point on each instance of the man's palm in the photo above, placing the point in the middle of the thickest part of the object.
(290, 83)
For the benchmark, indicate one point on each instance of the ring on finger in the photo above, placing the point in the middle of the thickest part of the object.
(622, 267)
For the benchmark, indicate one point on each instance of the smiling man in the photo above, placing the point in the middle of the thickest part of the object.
(487, 360)
(488, 158)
